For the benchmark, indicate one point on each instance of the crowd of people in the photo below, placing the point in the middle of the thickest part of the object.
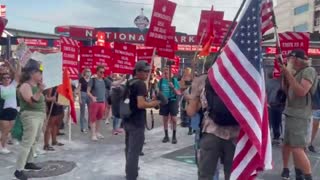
(24, 98)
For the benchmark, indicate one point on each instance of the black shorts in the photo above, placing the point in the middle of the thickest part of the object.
(169, 109)
(8, 114)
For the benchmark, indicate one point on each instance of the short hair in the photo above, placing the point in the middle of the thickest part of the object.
(100, 67)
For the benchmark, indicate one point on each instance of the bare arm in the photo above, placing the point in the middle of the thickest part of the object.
(142, 103)
(90, 94)
(26, 93)
(193, 106)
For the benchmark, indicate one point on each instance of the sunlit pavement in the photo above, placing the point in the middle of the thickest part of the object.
(105, 159)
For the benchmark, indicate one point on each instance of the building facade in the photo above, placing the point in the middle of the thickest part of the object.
(298, 15)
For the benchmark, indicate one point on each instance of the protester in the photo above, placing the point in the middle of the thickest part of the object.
(276, 101)
(185, 84)
(169, 87)
(298, 111)
(32, 108)
(9, 110)
(135, 124)
(84, 99)
(216, 142)
(97, 93)
(116, 94)
(55, 113)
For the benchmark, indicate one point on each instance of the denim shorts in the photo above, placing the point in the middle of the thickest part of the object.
(316, 115)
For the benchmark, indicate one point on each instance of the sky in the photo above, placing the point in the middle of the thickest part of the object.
(44, 15)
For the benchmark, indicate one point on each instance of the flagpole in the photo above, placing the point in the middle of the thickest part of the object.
(204, 62)
(152, 62)
(69, 122)
(229, 31)
(279, 59)
(195, 54)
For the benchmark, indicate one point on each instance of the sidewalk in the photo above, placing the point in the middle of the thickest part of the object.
(104, 160)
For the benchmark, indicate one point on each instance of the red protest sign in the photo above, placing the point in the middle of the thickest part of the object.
(293, 40)
(203, 28)
(70, 51)
(124, 58)
(145, 54)
(169, 50)
(175, 67)
(102, 56)
(86, 58)
(161, 20)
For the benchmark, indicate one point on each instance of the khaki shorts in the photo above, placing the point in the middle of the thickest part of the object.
(296, 132)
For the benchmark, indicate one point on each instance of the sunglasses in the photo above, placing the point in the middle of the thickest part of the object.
(101, 72)
(6, 77)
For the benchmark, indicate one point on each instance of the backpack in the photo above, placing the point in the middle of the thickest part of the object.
(125, 111)
(216, 109)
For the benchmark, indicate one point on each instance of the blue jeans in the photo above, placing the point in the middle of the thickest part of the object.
(275, 118)
(85, 101)
(116, 122)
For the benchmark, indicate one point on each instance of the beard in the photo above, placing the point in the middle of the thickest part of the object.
(290, 67)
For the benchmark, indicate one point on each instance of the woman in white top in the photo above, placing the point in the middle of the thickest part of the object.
(9, 110)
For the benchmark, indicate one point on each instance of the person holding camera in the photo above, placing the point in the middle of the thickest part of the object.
(135, 124)
(298, 111)
(169, 87)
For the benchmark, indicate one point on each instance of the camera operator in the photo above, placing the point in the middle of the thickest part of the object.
(135, 124)
(298, 111)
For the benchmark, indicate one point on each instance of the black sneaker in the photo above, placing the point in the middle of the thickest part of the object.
(285, 174)
(174, 141)
(312, 149)
(32, 166)
(20, 175)
(165, 139)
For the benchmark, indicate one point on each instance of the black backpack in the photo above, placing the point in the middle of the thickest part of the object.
(217, 110)
(125, 111)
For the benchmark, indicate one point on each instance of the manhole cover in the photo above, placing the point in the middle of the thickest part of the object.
(51, 168)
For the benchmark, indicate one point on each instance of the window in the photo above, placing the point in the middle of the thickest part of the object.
(301, 28)
(301, 9)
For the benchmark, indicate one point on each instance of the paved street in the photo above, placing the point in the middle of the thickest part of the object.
(104, 160)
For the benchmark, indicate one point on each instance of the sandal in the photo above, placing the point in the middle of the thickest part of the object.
(48, 148)
(57, 144)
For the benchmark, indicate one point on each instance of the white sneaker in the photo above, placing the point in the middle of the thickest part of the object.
(94, 138)
(107, 121)
(100, 136)
(5, 151)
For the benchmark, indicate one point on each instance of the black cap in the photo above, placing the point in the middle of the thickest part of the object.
(142, 66)
(32, 65)
(298, 53)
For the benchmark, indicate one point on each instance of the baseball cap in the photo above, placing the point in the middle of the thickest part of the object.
(298, 53)
(33, 65)
(142, 66)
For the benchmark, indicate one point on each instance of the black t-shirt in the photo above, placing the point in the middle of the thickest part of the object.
(139, 117)
(84, 84)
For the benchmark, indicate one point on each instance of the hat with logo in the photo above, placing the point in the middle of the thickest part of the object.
(298, 53)
(142, 66)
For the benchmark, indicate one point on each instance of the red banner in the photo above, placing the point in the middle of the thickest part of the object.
(86, 58)
(203, 29)
(161, 20)
(176, 66)
(102, 56)
(169, 50)
(70, 52)
(145, 54)
(124, 58)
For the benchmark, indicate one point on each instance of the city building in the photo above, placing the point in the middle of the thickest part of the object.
(298, 15)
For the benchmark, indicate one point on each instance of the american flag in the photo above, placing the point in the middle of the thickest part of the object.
(238, 78)
(267, 16)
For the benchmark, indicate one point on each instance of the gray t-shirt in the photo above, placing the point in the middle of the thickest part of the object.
(99, 89)
(297, 106)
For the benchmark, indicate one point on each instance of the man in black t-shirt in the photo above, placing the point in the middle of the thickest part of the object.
(135, 125)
